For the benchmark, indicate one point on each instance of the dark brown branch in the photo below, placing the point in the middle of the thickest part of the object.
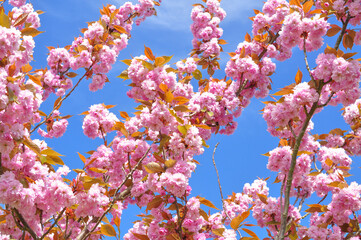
(25, 226)
(344, 26)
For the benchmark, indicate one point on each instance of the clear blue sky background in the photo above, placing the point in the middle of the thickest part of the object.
(238, 156)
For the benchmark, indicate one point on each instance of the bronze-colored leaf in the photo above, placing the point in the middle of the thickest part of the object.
(108, 230)
(148, 53)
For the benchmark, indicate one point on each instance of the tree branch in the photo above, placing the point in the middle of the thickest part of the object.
(25, 226)
(54, 223)
(85, 232)
(344, 26)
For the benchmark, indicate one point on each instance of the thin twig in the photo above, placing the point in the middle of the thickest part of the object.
(54, 223)
(220, 188)
(306, 60)
(62, 100)
(179, 230)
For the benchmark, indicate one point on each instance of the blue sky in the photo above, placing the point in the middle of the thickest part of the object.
(238, 157)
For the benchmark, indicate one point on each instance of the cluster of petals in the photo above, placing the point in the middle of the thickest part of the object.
(99, 121)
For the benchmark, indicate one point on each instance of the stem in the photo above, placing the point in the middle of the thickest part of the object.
(281, 234)
(220, 188)
(306, 60)
(25, 226)
(61, 101)
(344, 26)
(54, 223)
(179, 230)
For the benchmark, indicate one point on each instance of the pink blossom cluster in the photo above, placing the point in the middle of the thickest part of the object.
(271, 17)
(99, 121)
(205, 26)
(284, 117)
(54, 128)
(302, 31)
(32, 17)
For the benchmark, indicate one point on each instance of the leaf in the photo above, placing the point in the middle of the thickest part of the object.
(170, 163)
(197, 74)
(337, 184)
(330, 50)
(124, 115)
(77, 170)
(56, 103)
(21, 19)
(283, 142)
(124, 75)
(98, 170)
(284, 91)
(238, 220)
(248, 38)
(163, 87)
(348, 55)
(263, 198)
(117, 221)
(250, 233)
(333, 30)
(26, 68)
(181, 100)
(12, 69)
(108, 230)
(312, 174)
(218, 231)
(148, 53)
(347, 41)
(153, 167)
(4, 19)
(119, 126)
(127, 61)
(146, 64)
(167, 59)
(298, 78)
(35, 80)
(328, 162)
(30, 32)
(206, 202)
(109, 106)
(222, 42)
(169, 96)
(71, 74)
(156, 202)
(159, 61)
(50, 152)
(295, 2)
(181, 108)
(182, 129)
(30, 144)
(307, 6)
(203, 126)
(314, 208)
(140, 236)
(203, 214)
(120, 29)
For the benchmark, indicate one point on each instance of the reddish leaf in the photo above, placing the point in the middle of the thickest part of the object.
(148, 53)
